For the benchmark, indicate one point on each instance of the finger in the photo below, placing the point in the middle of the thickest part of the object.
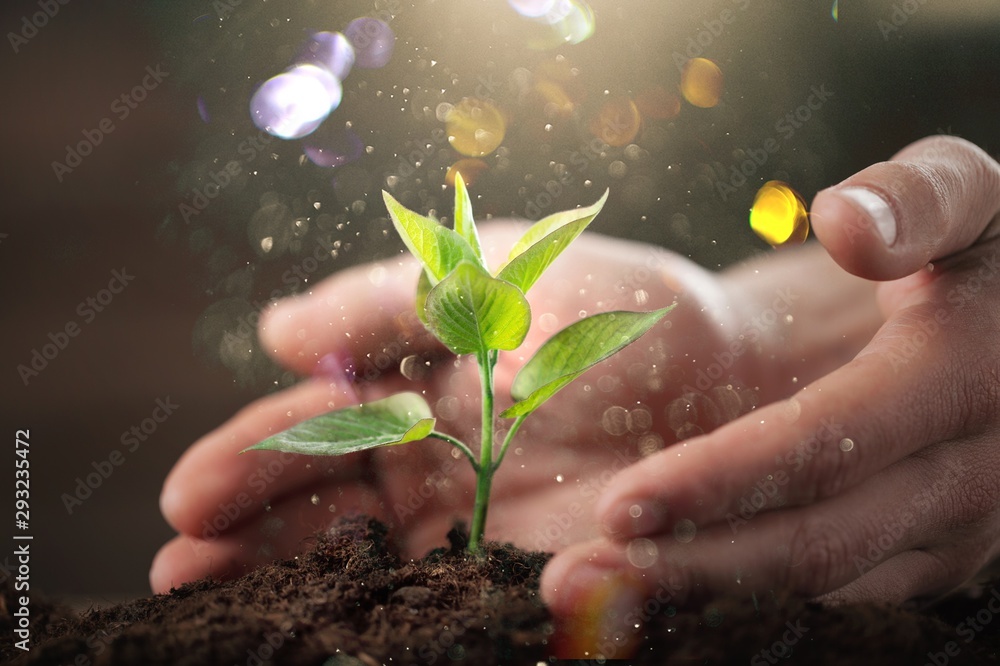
(362, 318)
(830, 436)
(909, 575)
(807, 551)
(934, 198)
(212, 477)
(281, 533)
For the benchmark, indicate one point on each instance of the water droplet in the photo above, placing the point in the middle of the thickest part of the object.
(615, 420)
(846, 444)
(635, 511)
(639, 421)
(642, 553)
(559, 478)
(685, 530)
(548, 322)
(713, 617)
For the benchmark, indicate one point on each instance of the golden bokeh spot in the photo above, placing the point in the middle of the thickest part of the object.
(470, 169)
(475, 127)
(657, 103)
(779, 215)
(701, 83)
(555, 97)
(618, 122)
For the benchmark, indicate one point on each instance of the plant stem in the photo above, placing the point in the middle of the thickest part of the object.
(510, 435)
(484, 473)
(458, 444)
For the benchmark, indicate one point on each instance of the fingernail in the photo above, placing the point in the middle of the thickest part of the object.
(877, 208)
(635, 518)
(607, 607)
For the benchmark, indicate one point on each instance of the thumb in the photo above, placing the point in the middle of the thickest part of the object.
(934, 198)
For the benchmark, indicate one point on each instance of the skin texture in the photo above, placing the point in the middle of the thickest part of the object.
(869, 401)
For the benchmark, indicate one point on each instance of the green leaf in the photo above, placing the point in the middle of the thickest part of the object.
(424, 287)
(465, 224)
(573, 350)
(547, 225)
(525, 269)
(398, 419)
(439, 248)
(472, 312)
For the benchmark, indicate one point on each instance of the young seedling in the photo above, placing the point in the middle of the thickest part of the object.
(472, 310)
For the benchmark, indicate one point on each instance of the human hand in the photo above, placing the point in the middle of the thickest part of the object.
(234, 512)
(878, 481)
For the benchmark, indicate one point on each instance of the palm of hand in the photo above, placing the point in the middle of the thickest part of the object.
(555, 468)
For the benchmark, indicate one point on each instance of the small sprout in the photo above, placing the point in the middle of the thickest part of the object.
(475, 311)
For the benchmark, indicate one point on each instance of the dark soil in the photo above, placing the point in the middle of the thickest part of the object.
(350, 601)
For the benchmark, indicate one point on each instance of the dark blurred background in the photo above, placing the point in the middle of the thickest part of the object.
(180, 328)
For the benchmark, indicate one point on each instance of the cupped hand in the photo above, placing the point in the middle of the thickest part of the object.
(358, 337)
(877, 481)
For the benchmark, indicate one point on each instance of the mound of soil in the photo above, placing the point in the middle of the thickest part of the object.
(350, 601)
